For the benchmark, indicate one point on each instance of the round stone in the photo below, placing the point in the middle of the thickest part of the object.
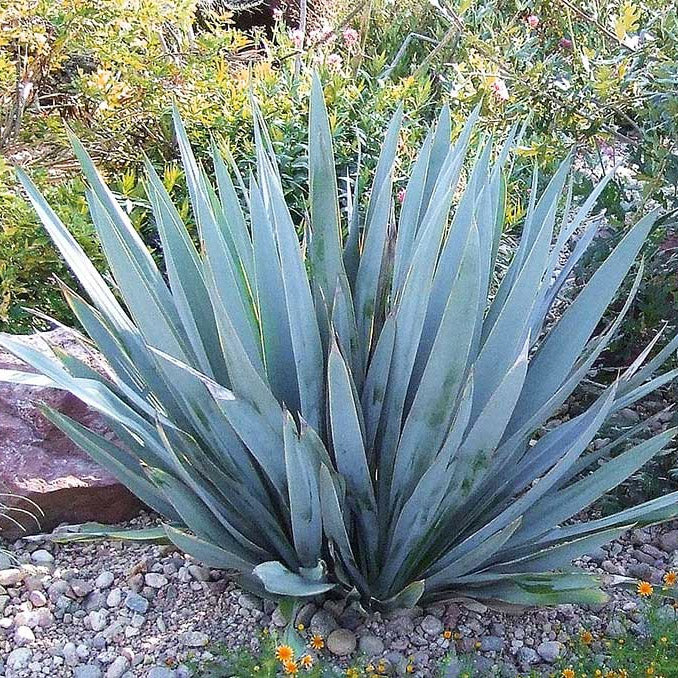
(160, 672)
(81, 587)
(155, 580)
(371, 645)
(527, 656)
(97, 620)
(550, 650)
(491, 644)
(136, 603)
(104, 580)
(11, 576)
(114, 598)
(323, 623)
(118, 667)
(341, 642)
(42, 557)
(431, 625)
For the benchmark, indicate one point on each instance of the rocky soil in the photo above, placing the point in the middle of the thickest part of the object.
(95, 609)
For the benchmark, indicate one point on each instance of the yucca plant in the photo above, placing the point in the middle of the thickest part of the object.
(361, 412)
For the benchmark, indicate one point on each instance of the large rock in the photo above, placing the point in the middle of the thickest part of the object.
(39, 463)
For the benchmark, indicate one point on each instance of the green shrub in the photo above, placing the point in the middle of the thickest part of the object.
(354, 415)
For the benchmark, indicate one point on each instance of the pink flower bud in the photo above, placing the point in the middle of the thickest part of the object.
(400, 196)
(499, 89)
(565, 43)
(350, 37)
(532, 21)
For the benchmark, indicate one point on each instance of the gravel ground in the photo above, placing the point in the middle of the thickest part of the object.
(152, 610)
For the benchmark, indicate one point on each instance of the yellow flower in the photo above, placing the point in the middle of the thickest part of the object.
(291, 668)
(284, 653)
(568, 673)
(478, 645)
(447, 634)
(645, 589)
(300, 627)
(352, 673)
(649, 670)
(623, 673)
(317, 642)
(586, 637)
(664, 639)
(670, 578)
(410, 668)
(306, 661)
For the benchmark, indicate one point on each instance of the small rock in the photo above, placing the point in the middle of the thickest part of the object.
(550, 650)
(11, 576)
(194, 639)
(24, 636)
(136, 603)
(19, 658)
(199, 573)
(323, 623)
(81, 587)
(42, 557)
(87, 671)
(118, 667)
(371, 645)
(155, 580)
(160, 672)
(527, 656)
(104, 580)
(669, 541)
(432, 625)
(114, 598)
(341, 642)
(250, 602)
(97, 620)
(491, 644)
(37, 598)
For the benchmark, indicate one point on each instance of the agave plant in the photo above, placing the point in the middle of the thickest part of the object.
(362, 412)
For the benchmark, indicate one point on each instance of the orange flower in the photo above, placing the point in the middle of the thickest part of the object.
(670, 578)
(447, 634)
(291, 668)
(306, 661)
(568, 673)
(586, 637)
(284, 653)
(645, 589)
(317, 642)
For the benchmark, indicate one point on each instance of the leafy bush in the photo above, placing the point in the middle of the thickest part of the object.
(353, 415)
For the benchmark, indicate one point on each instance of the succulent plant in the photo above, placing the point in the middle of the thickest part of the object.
(362, 411)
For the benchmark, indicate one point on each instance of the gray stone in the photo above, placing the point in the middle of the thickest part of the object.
(37, 598)
(194, 639)
(136, 603)
(431, 625)
(155, 580)
(450, 668)
(11, 576)
(669, 541)
(250, 602)
(114, 598)
(19, 658)
(160, 672)
(87, 671)
(104, 580)
(550, 650)
(23, 635)
(118, 667)
(491, 644)
(97, 620)
(42, 557)
(527, 656)
(81, 587)
(371, 645)
(341, 642)
(615, 629)
(323, 623)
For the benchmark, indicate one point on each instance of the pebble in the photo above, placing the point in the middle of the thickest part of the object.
(160, 672)
(19, 658)
(23, 635)
(87, 671)
(341, 642)
(323, 623)
(155, 580)
(371, 645)
(432, 625)
(80, 587)
(10, 576)
(42, 557)
(37, 598)
(117, 668)
(194, 639)
(550, 650)
(136, 603)
(104, 580)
